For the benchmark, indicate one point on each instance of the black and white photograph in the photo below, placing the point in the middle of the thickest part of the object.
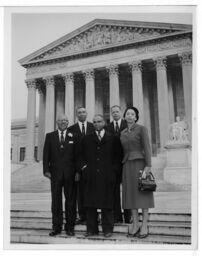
(102, 127)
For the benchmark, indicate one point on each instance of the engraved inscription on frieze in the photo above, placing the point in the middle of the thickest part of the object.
(140, 49)
(101, 36)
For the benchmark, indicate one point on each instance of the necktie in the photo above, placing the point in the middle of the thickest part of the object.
(117, 128)
(62, 140)
(83, 129)
(99, 136)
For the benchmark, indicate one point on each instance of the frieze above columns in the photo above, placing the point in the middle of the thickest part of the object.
(175, 45)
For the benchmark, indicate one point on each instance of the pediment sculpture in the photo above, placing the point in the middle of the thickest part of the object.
(102, 36)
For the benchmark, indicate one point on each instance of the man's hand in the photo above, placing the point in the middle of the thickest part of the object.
(47, 175)
(146, 172)
(77, 177)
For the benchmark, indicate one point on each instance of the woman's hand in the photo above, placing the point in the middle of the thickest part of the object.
(146, 171)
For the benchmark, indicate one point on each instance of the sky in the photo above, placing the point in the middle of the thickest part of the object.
(31, 31)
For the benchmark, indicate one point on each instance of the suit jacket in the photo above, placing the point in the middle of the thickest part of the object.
(76, 129)
(136, 144)
(110, 127)
(59, 161)
(102, 161)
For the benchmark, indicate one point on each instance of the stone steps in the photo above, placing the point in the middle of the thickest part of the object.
(41, 237)
(177, 217)
(34, 226)
(154, 228)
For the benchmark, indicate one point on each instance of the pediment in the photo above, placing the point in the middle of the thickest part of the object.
(102, 34)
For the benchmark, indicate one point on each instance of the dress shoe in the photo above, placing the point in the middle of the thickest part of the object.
(135, 234)
(88, 234)
(70, 233)
(54, 232)
(107, 235)
(143, 235)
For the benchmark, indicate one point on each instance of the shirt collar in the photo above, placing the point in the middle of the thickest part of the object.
(119, 122)
(80, 123)
(64, 132)
(102, 133)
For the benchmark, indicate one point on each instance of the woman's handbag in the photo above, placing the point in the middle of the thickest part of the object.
(148, 183)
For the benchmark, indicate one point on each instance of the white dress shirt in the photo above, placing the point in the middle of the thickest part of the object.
(119, 123)
(80, 126)
(64, 134)
(102, 133)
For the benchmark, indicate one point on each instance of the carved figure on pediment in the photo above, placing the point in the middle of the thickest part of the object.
(123, 35)
(98, 37)
(107, 35)
(89, 40)
(118, 35)
(129, 34)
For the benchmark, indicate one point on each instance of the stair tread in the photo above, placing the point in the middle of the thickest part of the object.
(151, 223)
(151, 213)
(42, 235)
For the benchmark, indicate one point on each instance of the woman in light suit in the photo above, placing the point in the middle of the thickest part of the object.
(137, 156)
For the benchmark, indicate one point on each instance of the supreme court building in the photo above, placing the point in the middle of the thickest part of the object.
(112, 62)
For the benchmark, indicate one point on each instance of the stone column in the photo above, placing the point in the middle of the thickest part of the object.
(163, 103)
(69, 96)
(50, 104)
(114, 98)
(186, 61)
(138, 102)
(41, 127)
(31, 121)
(90, 93)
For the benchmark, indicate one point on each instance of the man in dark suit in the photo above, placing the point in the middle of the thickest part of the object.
(59, 158)
(115, 127)
(81, 129)
(100, 153)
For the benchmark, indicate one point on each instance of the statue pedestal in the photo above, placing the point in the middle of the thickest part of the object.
(178, 164)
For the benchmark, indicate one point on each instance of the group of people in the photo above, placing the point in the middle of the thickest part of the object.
(89, 162)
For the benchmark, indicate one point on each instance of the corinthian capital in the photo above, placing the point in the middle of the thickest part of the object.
(40, 91)
(31, 83)
(49, 80)
(113, 69)
(186, 58)
(136, 66)
(89, 74)
(160, 62)
(68, 77)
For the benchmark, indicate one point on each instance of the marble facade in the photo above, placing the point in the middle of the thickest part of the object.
(108, 62)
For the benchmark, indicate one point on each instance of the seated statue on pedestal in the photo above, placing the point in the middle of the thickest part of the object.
(178, 132)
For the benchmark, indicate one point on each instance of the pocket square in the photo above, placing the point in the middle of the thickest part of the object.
(71, 142)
